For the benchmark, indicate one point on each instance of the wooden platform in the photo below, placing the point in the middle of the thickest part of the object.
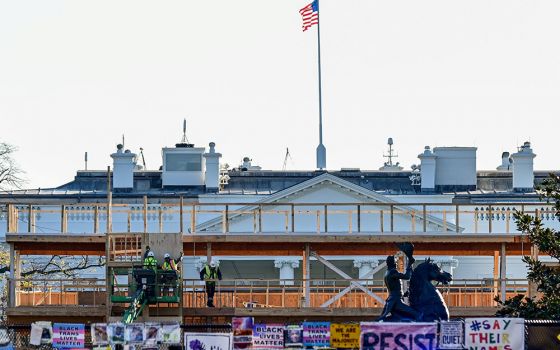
(288, 244)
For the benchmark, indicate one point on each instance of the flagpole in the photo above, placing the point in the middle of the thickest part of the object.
(321, 150)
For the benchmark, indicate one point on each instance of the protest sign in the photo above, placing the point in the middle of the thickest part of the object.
(316, 334)
(208, 341)
(115, 332)
(402, 336)
(242, 332)
(152, 333)
(68, 335)
(293, 336)
(134, 333)
(41, 333)
(450, 335)
(485, 333)
(268, 336)
(171, 333)
(99, 334)
(345, 336)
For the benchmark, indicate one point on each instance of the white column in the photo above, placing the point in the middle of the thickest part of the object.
(286, 267)
(365, 266)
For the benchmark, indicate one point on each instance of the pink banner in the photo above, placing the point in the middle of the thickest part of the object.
(402, 336)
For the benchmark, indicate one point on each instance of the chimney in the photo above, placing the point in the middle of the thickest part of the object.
(123, 169)
(506, 162)
(212, 174)
(427, 170)
(523, 177)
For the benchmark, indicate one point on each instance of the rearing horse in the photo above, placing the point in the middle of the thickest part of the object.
(424, 297)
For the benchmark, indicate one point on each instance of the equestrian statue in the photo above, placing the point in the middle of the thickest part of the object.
(426, 302)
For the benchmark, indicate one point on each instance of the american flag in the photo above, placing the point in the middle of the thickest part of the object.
(310, 15)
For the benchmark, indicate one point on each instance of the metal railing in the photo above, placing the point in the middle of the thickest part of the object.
(278, 218)
(272, 293)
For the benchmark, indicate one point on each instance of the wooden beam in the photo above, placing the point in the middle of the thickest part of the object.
(347, 277)
(306, 277)
(503, 264)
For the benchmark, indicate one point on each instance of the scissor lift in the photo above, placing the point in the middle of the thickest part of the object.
(146, 293)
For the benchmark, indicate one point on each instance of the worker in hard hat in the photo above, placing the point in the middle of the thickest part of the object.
(150, 261)
(209, 274)
(170, 272)
(170, 264)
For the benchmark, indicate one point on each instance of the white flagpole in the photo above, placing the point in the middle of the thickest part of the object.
(321, 150)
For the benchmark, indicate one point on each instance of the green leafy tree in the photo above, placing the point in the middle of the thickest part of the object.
(547, 279)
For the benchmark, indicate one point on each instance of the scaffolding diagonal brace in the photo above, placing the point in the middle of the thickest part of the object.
(353, 284)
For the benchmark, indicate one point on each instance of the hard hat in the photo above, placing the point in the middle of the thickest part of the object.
(151, 254)
(212, 264)
(167, 256)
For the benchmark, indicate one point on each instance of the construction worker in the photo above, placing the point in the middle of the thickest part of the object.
(150, 262)
(210, 273)
(170, 272)
(170, 264)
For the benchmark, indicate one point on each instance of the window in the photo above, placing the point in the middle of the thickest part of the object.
(183, 162)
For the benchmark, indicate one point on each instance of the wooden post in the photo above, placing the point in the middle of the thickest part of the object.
(496, 271)
(424, 221)
(381, 221)
(457, 218)
(359, 217)
(160, 218)
(29, 218)
(63, 222)
(392, 207)
(490, 219)
(12, 282)
(306, 274)
(109, 307)
(145, 214)
(293, 210)
(208, 253)
(326, 219)
(193, 218)
(503, 264)
(95, 219)
(181, 216)
(260, 218)
(533, 286)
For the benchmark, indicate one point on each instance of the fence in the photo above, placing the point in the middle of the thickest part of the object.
(18, 335)
(272, 293)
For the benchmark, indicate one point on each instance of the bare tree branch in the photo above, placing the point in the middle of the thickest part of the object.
(10, 172)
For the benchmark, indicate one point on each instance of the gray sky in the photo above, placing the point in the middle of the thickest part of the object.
(76, 75)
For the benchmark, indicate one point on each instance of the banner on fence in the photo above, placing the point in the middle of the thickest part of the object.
(543, 336)
(41, 333)
(485, 333)
(208, 341)
(134, 333)
(450, 335)
(293, 336)
(316, 334)
(99, 334)
(115, 332)
(152, 333)
(402, 336)
(171, 333)
(345, 336)
(242, 332)
(268, 336)
(68, 335)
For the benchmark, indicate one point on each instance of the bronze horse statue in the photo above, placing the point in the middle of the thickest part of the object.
(426, 302)
(424, 296)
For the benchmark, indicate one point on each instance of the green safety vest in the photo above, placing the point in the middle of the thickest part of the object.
(169, 265)
(210, 274)
(150, 263)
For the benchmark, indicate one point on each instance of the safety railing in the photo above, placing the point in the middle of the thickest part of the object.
(277, 218)
(41, 292)
(257, 293)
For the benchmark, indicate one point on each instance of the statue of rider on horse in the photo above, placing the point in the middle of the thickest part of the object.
(426, 302)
